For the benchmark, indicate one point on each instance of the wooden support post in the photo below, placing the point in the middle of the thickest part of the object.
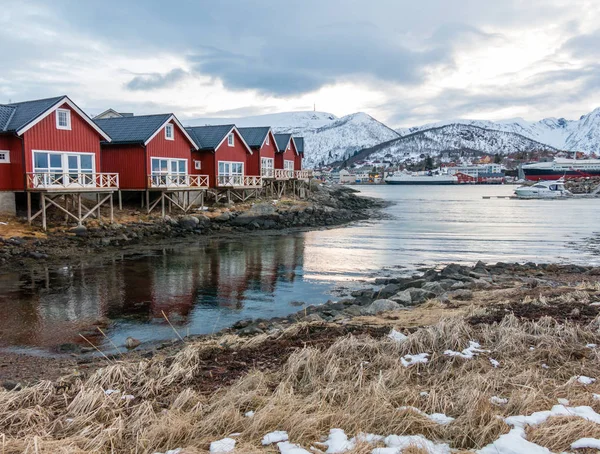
(162, 203)
(120, 201)
(97, 202)
(112, 214)
(43, 211)
(79, 207)
(148, 200)
(29, 207)
(202, 200)
(170, 205)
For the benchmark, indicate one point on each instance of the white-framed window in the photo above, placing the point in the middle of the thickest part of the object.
(169, 132)
(266, 167)
(63, 119)
(4, 157)
(288, 165)
(198, 165)
(168, 171)
(63, 168)
(230, 173)
(267, 141)
(230, 140)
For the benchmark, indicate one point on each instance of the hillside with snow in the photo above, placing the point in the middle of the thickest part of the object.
(326, 137)
(571, 135)
(449, 139)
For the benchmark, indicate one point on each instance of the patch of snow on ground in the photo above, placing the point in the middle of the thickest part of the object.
(396, 444)
(582, 443)
(108, 392)
(171, 451)
(494, 362)
(367, 438)
(468, 353)
(498, 400)
(338, 442)
(591, 345)
(286, 447)
(275, 437)
(397, 336)
(222, 446)
(513, 442)
(249, 414)
(409, 360)
(563, 401)
(439, 418)
(584, 380)
(596, 396)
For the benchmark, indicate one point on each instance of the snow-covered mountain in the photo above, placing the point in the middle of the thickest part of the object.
(326, 137)
(571, 135)
(451, 138)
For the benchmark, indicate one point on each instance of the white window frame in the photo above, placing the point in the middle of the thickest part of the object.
(267, 141)
(288, 165)
(169, 170)
(169, 127)
(269, 161)
(230, 140)
(76, 177)
(68, 114)
(198, 165)
(4, 157)
(168, 177)
(230, 167)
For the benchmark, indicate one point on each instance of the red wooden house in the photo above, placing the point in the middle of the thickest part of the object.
(264, 147)
(151, 153)
(49, 145)
(285, 158)
(223, 155)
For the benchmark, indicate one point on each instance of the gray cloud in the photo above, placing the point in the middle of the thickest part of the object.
(584, 46)
(153, 81)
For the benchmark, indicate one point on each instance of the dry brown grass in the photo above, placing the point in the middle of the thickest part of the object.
(357, 384)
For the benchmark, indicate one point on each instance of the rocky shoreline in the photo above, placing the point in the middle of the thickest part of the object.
(405, 303)
(326, 207)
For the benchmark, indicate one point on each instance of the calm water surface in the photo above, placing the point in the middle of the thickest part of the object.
(204, 287)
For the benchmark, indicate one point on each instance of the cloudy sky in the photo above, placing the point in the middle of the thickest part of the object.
(403, 62)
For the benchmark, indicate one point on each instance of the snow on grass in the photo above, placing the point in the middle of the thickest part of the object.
(286, 447)
(495, 400)
(468, 353)
(222, 446)
(275, 437)
(494, 362)
(438, 418)
(591, 345)
(338, 442)
(249, 414)
(539, 417)
(596, 396)
(563, 401)
(396, 444)
(108, 392)
(410, 360)
(583, 379)
(367, 438)
(582, 443)
(397, 336)
(172, 451)
(513, 442)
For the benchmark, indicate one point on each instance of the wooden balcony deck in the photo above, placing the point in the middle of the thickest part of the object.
(239, 181)
(177, 182)
(70, 182)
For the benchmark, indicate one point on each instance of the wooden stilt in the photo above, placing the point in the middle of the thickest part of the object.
(79, 207)
(29, 207)
(162, 204)
(112, 214)
(120, 201)
(44, 211)
(148, 200)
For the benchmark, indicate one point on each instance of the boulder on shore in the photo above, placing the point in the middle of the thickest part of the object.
(379, 306)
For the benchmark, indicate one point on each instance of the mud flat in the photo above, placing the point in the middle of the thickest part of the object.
(476, 359)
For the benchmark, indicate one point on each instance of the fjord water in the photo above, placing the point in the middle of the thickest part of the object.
(206, 285)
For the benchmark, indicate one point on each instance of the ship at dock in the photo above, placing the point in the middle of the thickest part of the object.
(562, 168)
(427, 178)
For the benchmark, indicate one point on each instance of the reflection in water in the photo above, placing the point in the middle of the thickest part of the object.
(200, 288)
(205, 287)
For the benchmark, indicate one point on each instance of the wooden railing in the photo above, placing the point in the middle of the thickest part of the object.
(283, 174)
(303, 174)
(177, 181)
(72, 180)
(239, 181)
(267, 172)
(253, 181)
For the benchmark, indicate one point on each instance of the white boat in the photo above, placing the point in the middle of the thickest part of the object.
(422, 179)
(543, 190)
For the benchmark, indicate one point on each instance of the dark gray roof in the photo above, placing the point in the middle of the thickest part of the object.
(131, 130)
(282, 141)
(16, 115)
(299, 141)
(255, 136)
(209, 137)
